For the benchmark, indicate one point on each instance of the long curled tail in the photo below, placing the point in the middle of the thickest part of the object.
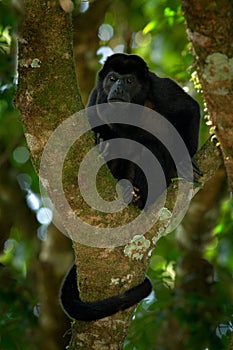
(75, 308)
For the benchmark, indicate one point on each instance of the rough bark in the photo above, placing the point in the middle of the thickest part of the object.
(47, 94)
(210, 29)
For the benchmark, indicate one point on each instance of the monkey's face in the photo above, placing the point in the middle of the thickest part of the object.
(121, 87)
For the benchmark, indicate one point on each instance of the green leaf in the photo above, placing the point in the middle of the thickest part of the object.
(149, 27)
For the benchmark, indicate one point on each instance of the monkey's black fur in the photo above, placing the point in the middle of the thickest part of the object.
(126, 78)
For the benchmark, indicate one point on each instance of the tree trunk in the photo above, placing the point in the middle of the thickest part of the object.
(210, 28)
(47, 95)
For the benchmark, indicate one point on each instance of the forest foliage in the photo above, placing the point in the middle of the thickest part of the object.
(156, 31)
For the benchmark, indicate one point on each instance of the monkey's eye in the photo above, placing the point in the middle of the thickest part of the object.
(112, 78)
(130, 80)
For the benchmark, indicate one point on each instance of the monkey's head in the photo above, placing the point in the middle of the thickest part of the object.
(124, 78)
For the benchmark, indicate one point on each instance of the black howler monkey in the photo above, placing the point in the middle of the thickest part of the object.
(126, 78)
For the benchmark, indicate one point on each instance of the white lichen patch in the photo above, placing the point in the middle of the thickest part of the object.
(115, 281)
(155, 240)
(29, 63)
(36, 63)
(160, 232)
(150, 252)
(164, 214)
(127, 278)
(136, 248)
(218, 67)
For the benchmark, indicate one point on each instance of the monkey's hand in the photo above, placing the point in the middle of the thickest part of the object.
(103, 146)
